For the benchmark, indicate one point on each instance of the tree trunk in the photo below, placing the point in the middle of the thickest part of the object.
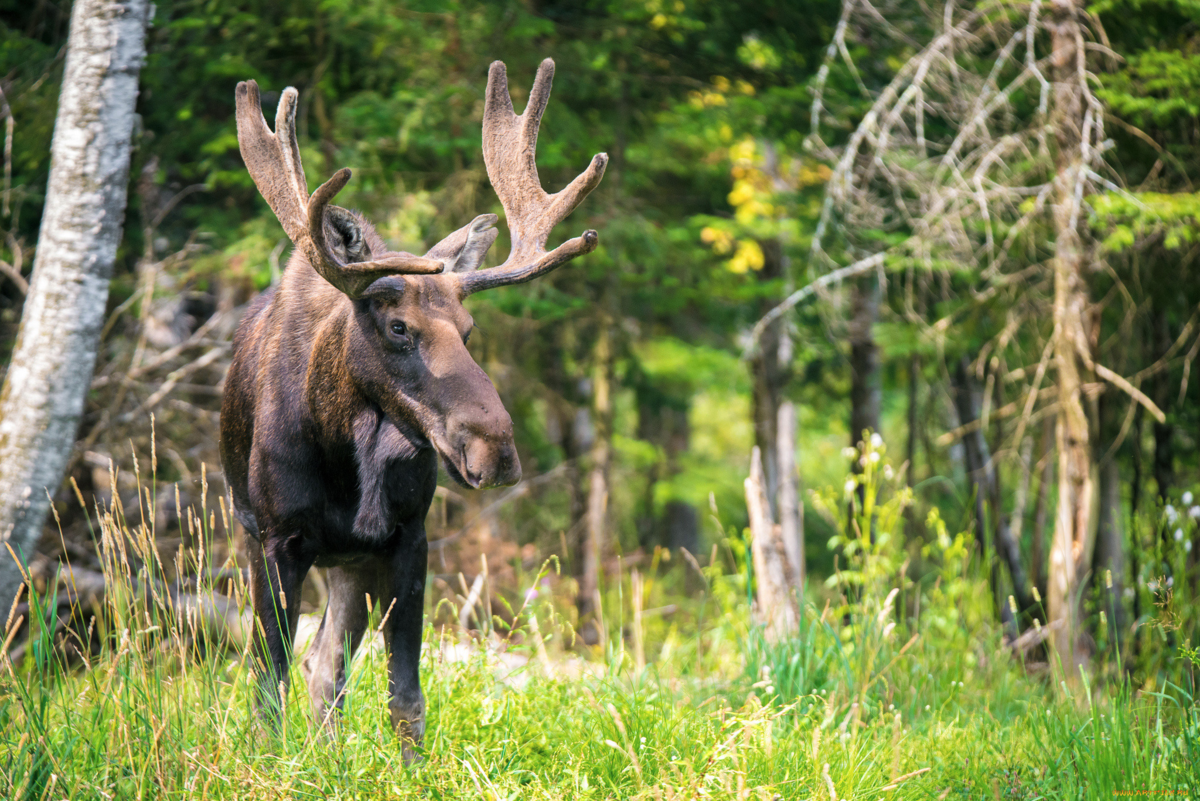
(791, 510)
(772, 585)
(1109, 561)
(775, 421)
(597, 495)
(865, 383)
(982, 473)
(51, 370)
(1037, 549)
(1164, 433)
(1074, 524)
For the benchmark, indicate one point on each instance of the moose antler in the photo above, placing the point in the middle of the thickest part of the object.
(273, 160)
(509, 149)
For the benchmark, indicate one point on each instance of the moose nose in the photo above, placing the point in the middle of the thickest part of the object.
(490, 463)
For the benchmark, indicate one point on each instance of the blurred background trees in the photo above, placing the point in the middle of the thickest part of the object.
(755, 149)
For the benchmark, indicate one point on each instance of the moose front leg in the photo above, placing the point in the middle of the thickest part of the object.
(405, 609)
(276, 572)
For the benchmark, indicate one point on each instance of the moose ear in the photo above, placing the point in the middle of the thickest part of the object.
(464, 250)
(346, 234)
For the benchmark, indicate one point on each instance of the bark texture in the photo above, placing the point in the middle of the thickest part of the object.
(1074, 524)
(775, 606)
(775, 421)
(44, 390)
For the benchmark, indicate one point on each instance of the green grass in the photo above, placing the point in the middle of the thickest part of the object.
(143, 722)
(892, 688)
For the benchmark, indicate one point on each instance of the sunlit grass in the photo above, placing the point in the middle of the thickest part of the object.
(867, 700)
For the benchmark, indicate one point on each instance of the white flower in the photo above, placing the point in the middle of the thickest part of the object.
(1187, 498)
(1187, 546)
(876, 440)
(874, 457)
(849, 452)
(1179, 535)
(1170, 512)
(1170, 581)
(1194, 512)
(851, 485)
(1129, 593)
(888, 473)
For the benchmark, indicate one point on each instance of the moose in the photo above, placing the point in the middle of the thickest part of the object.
(348, 380)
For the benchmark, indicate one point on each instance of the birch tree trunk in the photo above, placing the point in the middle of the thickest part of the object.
(42, 398)
(1074, 524)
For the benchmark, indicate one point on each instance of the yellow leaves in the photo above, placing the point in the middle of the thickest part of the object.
(743, 151)
(749, 256)
(811, 176)
(721, 241)
(706, 99)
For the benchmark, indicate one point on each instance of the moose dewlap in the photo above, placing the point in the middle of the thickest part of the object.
(352, 376)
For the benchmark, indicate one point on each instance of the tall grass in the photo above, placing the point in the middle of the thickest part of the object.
(891, 688)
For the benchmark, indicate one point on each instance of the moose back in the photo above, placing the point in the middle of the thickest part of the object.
(351, 377)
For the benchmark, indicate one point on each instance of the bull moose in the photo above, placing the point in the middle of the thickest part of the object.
(351, 377)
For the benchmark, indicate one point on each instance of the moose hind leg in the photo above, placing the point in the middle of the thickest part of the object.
(275, 577)
(328, 658)
(405, 609)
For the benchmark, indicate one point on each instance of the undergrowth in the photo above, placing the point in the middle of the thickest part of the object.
(892, 687)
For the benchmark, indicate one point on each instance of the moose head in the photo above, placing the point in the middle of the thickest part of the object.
(352, 374)
(407, 349)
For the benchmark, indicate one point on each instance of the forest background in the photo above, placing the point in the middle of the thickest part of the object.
(754, 150)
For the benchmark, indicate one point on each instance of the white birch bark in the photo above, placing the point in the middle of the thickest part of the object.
(791, 510)
(55, 353)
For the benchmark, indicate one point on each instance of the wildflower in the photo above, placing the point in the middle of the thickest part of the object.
(874, 457)
(876, 440)
(927, 707)
(1130, 592)
(530, 595)
(851, 485)
(1187, 498)
(1170, 581)
(1179, 535)
(888, 473)
(1194, 512)
(770, 690)
(849, 452)
(1187, 546)
(1170, 512)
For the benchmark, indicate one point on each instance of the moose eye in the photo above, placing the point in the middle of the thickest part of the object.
(399, 328)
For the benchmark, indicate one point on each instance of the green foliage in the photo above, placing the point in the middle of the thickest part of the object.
(1128, 220)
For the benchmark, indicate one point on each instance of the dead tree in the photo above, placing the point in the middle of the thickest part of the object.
(959, 173)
